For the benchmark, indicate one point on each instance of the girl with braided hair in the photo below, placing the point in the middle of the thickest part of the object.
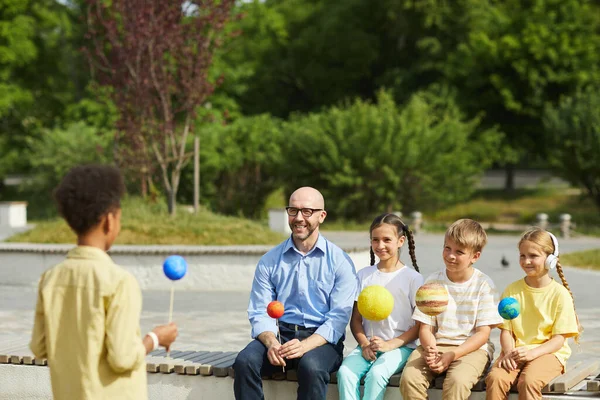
(534, 345)
(385, 353)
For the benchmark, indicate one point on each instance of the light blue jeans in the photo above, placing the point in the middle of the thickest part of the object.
(378, 373)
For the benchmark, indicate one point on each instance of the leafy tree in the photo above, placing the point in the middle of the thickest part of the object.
(507, 59)
(363, 156)
(35, 86)
(156, 57)
(54, 152)
(240, 165)
(574, 140)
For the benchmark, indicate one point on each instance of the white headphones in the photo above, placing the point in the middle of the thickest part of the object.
(552, 259)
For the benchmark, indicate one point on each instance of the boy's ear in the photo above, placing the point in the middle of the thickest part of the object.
(104, 224)
(475, 257)
(109, 222)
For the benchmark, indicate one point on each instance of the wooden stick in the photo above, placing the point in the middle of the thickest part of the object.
(171, 312)
(279, 337)
(171, 306)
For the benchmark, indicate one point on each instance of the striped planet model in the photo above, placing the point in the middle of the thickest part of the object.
(432, 299)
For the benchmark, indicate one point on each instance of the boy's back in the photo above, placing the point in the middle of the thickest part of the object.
(87, 325)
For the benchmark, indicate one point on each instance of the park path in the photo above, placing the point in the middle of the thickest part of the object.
(218, 320)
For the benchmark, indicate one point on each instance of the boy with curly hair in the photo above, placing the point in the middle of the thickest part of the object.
(88, 308)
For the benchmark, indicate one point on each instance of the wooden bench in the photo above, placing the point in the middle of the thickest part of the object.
(583, 376)
(582, 379)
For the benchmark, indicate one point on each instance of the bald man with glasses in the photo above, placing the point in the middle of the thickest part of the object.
(316, 282)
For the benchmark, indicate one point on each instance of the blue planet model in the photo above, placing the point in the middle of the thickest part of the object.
(509, 308)
(175, 267)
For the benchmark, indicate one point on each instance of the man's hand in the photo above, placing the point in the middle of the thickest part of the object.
(368, 353)
(166, 334)
(506, 361)
(273, 355)
(442, 362)
(292, 349)
(378, 344)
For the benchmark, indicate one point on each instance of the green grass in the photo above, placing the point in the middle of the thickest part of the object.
(145, 223)
(522, 206)
(499, 206)
(589, 259)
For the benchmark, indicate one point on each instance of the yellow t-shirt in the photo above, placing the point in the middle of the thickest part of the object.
(87, 325)
(545, 312)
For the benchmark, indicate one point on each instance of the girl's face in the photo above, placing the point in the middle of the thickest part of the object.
(385, 241)
(532, 259)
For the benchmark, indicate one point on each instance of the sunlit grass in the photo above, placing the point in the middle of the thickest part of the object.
(145, 223)
(522, 207)
(584, 259)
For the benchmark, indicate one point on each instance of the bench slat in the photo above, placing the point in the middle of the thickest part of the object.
(572, 377)
(207, 369)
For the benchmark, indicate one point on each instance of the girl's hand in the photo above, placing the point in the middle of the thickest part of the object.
(367, 353)
(506, 361)
(521, 355)
(378, 344)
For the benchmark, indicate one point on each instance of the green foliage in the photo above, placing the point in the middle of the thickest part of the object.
(507, 59)
(239, 165)
(56, 151)
(39, 72)
(368, 158)
(574, 141)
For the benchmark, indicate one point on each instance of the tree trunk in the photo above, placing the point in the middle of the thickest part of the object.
(196, 174)
(171, 201)
(509, 183)
(144, 184)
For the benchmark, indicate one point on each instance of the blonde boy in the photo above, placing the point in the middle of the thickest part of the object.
(457, 340)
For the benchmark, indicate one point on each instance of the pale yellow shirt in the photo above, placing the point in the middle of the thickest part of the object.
(471, 304)
(545, 312)
(87, 326)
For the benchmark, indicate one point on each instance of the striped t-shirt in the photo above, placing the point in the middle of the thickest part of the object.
(471, 304)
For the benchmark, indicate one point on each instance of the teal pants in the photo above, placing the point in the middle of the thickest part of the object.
(377, 372)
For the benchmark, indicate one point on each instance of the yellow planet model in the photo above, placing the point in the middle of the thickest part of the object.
(375, 303)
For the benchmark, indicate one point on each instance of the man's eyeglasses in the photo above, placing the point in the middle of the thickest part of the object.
(306, 212)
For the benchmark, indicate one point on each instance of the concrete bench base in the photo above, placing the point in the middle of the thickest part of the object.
(33, 383)
(192, 374)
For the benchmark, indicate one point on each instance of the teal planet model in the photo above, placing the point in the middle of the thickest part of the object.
(509, 308)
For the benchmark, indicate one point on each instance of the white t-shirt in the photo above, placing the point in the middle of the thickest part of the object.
(403, 285)
(471, 304)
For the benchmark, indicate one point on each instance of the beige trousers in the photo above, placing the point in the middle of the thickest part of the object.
(532, 377)
(461, 376)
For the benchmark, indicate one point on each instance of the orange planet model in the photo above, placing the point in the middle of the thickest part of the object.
(275, 309)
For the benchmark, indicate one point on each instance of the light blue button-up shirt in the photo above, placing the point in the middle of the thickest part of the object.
(317, 289)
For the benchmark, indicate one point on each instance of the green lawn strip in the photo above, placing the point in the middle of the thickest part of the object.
(144, 223)
(589, 259)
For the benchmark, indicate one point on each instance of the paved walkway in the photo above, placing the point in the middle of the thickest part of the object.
(218, 320)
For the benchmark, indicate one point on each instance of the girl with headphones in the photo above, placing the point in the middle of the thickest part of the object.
(534, 344)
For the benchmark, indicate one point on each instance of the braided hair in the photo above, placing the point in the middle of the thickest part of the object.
(401, 229)
(542, 238)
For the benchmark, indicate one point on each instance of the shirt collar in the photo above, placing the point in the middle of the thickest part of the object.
(321, 245)
(89, 252)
